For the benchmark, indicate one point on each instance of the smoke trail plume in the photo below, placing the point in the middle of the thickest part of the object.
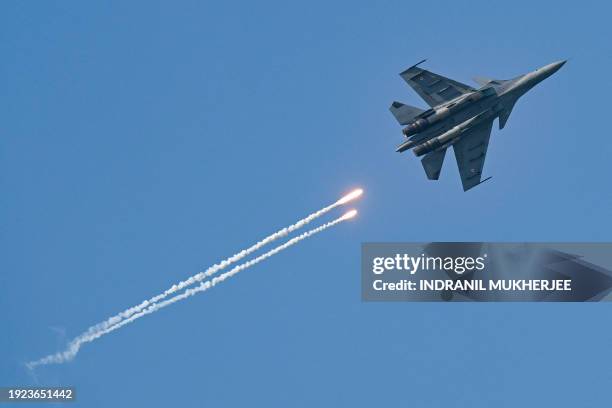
(75, 345)
(222, 265)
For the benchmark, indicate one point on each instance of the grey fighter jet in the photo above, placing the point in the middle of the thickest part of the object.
(459, 116)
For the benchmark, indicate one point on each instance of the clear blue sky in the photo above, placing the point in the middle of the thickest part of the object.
(142, 142)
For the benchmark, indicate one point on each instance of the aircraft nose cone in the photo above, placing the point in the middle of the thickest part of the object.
(557, 65)
(548, 70)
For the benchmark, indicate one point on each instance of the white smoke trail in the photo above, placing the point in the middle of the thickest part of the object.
(75, 345)
(221, 265)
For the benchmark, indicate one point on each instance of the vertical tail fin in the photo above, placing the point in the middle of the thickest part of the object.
(432, 163)
(482, 81)
(505, 114)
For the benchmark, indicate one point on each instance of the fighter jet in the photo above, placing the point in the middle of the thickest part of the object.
(459, 116)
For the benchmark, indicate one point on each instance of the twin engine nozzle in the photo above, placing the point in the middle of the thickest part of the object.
(415, 127)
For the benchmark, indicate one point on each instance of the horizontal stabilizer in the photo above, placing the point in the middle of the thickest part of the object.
(404, 113)
(432, 163)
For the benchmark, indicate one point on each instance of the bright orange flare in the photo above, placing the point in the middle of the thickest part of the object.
(350, 196)
(349, 215)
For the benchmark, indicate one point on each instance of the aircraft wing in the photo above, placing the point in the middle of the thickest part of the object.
(433, 88)
(470, 152)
